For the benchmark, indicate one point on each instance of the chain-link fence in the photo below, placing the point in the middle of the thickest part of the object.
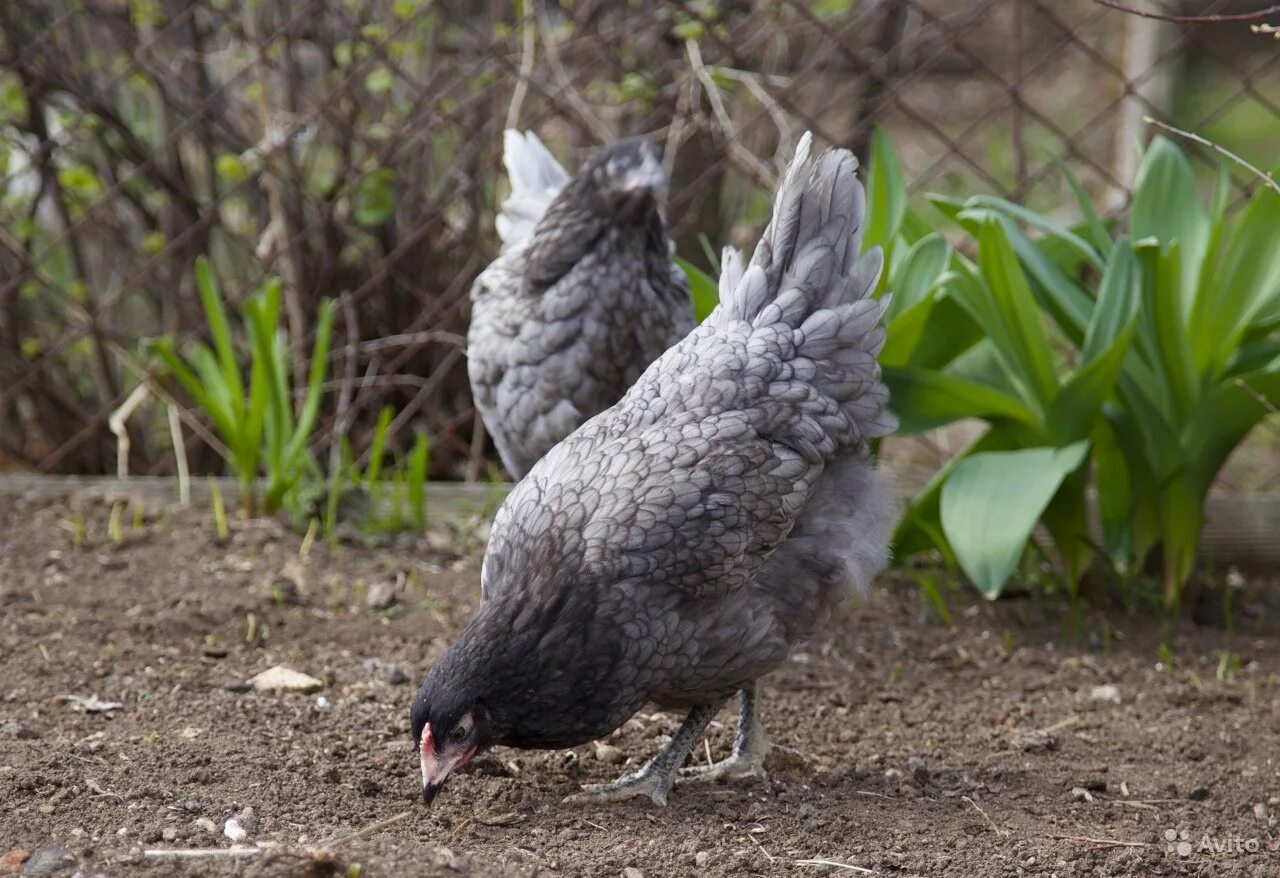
(352, 149)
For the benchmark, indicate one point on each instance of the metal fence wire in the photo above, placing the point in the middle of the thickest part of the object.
(352, 149)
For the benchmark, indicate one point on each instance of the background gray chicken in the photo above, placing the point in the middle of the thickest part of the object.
(676, 546)
(582, 299)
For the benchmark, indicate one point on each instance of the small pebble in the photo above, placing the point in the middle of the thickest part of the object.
(237, 828)
(1080, 794)
(1109, 693)
(169, 833)
(609, 754)
(205, 824)
(381, 595)
(701, 858)
(390, 673)
(283, 679)
(18, 731)
(47, 861)
(632, 872)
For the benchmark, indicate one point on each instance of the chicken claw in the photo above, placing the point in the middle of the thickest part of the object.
(749, 749)
(654, 780)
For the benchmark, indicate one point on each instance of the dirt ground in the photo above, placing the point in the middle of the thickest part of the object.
(988, 749)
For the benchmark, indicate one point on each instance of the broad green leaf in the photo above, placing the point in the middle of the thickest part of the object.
(1075, 408)
(1224, 417)
(921, 268)
(1181, 517)
(1161, 282)
(1246, 284)
(1097, 230)
(924, 399)
(704, 290)
(949, 206)
(920, 528)
(1016, 211)
(930, 335)
(991, 502)
(1116, 499)
(1166, 206)
(1066, 303)
(886, 193)
(1119, 293)
(1021, 337)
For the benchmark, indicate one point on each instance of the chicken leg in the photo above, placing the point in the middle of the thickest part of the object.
(654, 780)
(749, 746)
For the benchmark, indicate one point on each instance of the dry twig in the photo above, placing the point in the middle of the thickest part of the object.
(1221, 150)
(1108, 842)
(1192, 19)
(996, 829)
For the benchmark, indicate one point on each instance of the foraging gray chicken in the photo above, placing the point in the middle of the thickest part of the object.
(676, 546)
(582, 299)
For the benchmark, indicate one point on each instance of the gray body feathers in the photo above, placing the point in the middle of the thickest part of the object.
(674, 547)
(582, 299)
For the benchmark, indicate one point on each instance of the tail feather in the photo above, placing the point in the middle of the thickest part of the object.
(536, 178)
(809, 275)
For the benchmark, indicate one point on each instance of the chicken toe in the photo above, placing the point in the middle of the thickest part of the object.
(749, 748)
(654, 780)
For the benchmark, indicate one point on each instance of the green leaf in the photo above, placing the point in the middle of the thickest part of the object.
(1061, 297)
(229, 167)
(1015, 211)
(315, 382)
(1245, 284)
(1119, 293)
(1224, 417)
(418, 460)
(1075, 408)
(1162, 280)
(1167, 207)
(1116, 498)
(216, 315)
(375, 198)
(920, 528)
(1098, 234)
(921, 268)
(1019, 332)
(378, 446)
(379, 80)
(925, 398)
(886, 193)
(930, 335)
(704, 290)
(991, 502)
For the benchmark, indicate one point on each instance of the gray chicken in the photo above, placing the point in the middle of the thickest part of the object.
(582, 299)
(676, 546)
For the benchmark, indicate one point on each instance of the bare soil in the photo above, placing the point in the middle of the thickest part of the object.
(1000, 747)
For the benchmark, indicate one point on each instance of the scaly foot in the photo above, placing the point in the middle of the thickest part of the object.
(748, 764)
(654, 780)
(646, 782)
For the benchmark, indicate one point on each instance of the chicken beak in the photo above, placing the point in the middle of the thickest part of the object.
(431, 789)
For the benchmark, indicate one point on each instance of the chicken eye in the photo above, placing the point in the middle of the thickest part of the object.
(458, 735)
